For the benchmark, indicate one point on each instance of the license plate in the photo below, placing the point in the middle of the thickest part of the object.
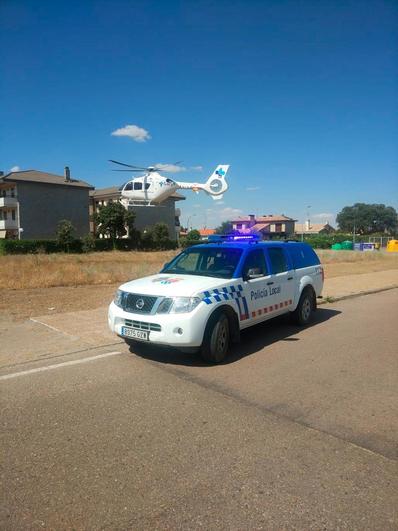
(142, 335)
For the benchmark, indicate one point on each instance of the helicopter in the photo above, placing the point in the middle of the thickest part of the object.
(152, 188)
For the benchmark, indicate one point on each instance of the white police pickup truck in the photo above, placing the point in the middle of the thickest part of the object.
(209, 292)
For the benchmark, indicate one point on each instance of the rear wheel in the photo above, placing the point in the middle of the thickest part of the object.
(303, 313)
(217, 338)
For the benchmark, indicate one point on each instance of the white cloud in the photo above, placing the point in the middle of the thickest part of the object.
(15, 168)
(323, 216)
(138, 134)
(216, 216)
(228, 213)
(173, 168)
(253, 188)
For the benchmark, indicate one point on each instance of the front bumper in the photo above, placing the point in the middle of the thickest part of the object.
(178, 330)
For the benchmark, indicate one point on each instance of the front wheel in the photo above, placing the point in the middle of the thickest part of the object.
(216, 341)
(303, 313)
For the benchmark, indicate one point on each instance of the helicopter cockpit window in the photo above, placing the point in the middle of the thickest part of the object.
(170, 181)
(137, 186)
(129, 186)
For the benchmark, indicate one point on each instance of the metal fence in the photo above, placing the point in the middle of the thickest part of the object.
(382, 240)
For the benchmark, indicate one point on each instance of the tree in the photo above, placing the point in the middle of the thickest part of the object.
(160, 235)
(157, 237)
(114, 220)
(224, 228)
(193, 235)
(367, 218)
(65, 234)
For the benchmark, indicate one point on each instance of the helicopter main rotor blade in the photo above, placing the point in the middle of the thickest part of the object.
(133, 170)
(127, 165)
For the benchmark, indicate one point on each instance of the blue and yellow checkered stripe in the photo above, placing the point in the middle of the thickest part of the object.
(228, 293)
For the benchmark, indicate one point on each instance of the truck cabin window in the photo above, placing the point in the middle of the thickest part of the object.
(210, 262)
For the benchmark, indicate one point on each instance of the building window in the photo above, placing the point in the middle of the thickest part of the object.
(13, 215)
(278, 227)
(239, 225)
(12, 192)
(5, 215)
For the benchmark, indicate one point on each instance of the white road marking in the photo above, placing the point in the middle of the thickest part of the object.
(52, 328)
(58, 365)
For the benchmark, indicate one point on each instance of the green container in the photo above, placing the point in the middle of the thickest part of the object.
(347, 245)
(337, 247)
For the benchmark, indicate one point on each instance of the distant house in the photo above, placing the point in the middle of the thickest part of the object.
(145, 216)
(205, 233)
(314, 228)
(32, 203)
(266, 226)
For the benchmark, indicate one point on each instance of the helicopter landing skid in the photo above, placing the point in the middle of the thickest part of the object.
(134, 203)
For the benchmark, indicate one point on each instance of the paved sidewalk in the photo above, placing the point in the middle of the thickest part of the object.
(341, 287)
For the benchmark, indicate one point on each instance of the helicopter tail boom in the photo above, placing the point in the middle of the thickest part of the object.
(215, 186)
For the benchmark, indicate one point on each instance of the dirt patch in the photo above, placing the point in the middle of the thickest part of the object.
(25, 303)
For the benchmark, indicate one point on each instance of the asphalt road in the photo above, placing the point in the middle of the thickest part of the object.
(298, 430)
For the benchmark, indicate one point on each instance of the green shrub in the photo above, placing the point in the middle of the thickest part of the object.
(29, 246)
(185, 242)
(88, 243)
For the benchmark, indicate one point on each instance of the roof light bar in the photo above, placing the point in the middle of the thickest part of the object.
(234, 237)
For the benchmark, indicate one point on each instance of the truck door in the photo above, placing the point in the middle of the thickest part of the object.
(255, 276)
(281, 290)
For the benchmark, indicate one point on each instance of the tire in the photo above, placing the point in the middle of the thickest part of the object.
(303, 313)
(217, 339)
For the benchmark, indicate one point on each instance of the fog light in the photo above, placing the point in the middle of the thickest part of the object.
(179, 331)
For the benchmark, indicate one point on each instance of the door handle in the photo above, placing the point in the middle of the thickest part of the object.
(269, 283)
(290, 278)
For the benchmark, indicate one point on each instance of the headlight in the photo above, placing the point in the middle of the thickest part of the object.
(118, 300)
(178, 304)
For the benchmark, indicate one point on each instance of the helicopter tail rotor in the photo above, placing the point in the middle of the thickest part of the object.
(216, 185)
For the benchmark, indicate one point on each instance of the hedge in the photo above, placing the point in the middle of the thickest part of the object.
(78, 246)
(37, 246)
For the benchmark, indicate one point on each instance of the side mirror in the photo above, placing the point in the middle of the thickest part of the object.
(254, 272)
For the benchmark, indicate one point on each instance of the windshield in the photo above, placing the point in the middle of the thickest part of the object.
(210, 262)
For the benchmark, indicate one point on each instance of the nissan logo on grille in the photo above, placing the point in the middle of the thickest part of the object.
(139, 304)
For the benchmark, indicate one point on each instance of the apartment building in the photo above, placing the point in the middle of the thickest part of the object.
(145, 216)
(32, 203)
(267, 226)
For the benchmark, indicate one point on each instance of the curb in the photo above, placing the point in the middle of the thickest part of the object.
(354, 295)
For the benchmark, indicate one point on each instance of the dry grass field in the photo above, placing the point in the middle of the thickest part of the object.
(44, 271)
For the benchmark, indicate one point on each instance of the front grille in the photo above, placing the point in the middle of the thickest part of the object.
(136, 303)
(140, 325)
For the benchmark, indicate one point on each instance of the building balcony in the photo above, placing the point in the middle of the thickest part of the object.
(8, 224)
(8, 201)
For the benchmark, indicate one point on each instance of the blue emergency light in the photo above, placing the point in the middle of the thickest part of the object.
(234, 237)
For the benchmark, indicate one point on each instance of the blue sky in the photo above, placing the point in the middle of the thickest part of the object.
(300, 97)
